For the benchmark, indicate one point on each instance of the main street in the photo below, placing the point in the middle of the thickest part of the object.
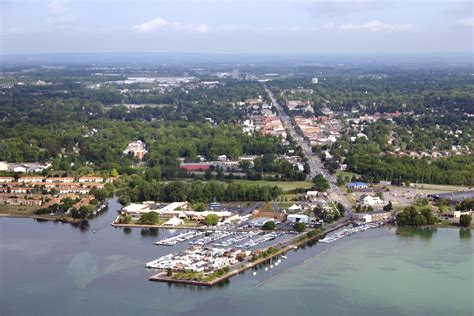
(316, 166)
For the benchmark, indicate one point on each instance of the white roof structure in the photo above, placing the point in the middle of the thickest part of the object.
(173, 206)
(137, 208)
(174, 221)
(310, 193)
(294, 207)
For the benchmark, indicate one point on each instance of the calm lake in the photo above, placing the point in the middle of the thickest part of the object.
(49, 268)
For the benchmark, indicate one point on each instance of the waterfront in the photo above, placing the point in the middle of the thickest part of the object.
(50, 268)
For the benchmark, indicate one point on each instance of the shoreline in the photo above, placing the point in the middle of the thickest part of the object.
(294, 243)
(68, 220)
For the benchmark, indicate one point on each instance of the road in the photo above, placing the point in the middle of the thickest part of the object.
(317, 167)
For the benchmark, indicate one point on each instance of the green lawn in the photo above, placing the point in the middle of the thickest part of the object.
(284, 185)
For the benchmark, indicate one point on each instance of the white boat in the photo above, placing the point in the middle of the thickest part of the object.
(284, 257)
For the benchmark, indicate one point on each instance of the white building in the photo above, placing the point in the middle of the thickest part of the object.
(314, 80)
(371, 200)
(297, 218)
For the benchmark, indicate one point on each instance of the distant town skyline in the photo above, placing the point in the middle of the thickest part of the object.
(249, 27)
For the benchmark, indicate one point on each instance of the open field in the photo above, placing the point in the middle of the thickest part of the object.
(18, 209)
(286, 186)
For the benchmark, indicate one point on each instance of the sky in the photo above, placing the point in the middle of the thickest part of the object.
(243, 27)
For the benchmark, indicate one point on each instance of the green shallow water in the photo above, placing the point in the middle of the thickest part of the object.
(57, 269)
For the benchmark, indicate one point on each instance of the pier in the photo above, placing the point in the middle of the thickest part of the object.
(295, 242)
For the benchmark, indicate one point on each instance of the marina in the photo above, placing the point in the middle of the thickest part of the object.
(171, 241)
(347, 231)
(214, 236)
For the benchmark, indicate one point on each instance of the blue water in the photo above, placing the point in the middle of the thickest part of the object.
(49, 268)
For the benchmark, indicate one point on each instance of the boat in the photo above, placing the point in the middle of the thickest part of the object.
(284, 257)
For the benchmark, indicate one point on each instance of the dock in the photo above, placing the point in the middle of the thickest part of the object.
(163, 277)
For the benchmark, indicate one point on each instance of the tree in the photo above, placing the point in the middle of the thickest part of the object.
(169, 272)
(299, 227)
(125, 219)
(114, 173)
(341, 180)
(465, 220)
(320, 183)
(199, 207)
(211, 220)
(388, 207)
(270, 225)
(150, 218)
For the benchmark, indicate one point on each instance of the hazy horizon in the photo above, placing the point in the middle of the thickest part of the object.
(265, 27)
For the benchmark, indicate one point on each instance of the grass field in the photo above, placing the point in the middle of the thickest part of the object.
(18, 210)
(285, 186)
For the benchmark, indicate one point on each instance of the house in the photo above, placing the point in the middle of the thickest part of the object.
(371, 200)
(311, 195)
(6, 179)
(91, 179)
(60, 180)
(357, 185)
(30, 179)
(297, 218)
(195, 166)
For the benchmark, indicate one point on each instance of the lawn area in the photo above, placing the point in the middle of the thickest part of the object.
(346, 174)
(18, 210)
(286, 186)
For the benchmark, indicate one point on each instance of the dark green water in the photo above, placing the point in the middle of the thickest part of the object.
(57, 269)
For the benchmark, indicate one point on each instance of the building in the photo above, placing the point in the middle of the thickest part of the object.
(91, 179)
(3, 166)
(372, 216)
(357, 185)
(195, 166)
(259, 222)
(453, 198)
(294, 208)
(60, 180)
(297, 218)
(6, 179)
(137, 149)
(314, 80)
(311, 195)
(31, 179)
(371, 200)
(457, 214)
(135, 210)
(174, 221)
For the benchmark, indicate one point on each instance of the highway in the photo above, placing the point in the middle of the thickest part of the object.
(317, 167)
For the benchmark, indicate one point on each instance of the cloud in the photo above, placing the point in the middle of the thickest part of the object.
(465, 22)
(56, 7)
(162, 24)
(376, 26)
(325, 8)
